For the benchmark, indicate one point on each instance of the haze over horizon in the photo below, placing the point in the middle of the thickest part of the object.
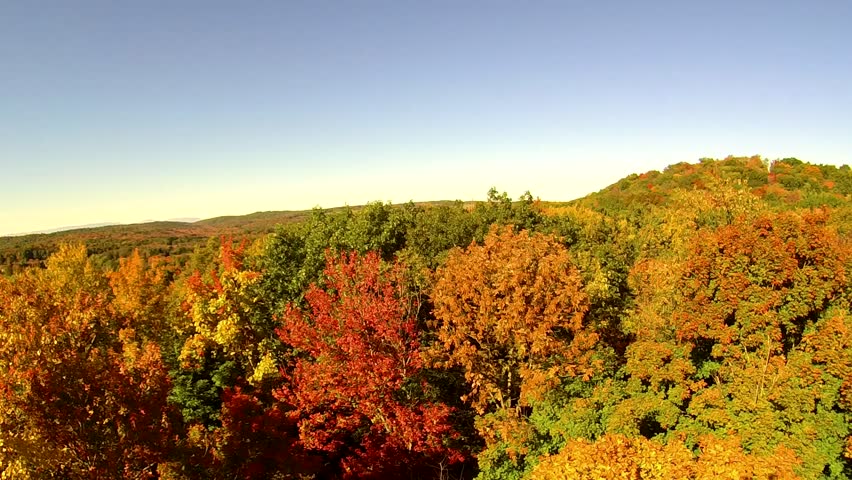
(152, 110)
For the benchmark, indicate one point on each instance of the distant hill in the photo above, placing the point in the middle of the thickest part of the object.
(168, 239)
(64, 229)
(173, 240)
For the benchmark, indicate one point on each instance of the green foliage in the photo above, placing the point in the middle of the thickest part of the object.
(197, 392)
(438, 229)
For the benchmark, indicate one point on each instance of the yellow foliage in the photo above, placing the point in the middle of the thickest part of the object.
(265, 369)
(617, 457)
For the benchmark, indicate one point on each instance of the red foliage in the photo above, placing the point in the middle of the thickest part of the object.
(355, 389)
(256, 440)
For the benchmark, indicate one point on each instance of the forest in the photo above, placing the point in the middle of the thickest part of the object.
(692, 323)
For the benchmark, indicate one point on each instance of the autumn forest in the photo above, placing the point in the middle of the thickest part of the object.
(691, 323)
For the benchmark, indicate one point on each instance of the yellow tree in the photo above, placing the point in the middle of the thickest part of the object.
(226, 316)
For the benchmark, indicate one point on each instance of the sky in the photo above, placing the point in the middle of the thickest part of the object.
(129, 111)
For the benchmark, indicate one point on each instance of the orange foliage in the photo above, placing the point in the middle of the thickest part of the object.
(510, 313)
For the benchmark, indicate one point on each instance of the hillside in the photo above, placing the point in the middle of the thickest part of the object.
(785, 183)
(676, 323)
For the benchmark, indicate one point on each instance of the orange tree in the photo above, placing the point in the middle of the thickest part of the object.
(510, 313)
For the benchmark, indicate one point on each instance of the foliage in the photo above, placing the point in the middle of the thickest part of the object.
(728, 345)
(510, 313)
(83, 395)
(355, 386)
(228, 359)
(619, 457)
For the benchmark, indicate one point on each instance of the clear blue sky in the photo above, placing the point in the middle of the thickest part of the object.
(126, 111)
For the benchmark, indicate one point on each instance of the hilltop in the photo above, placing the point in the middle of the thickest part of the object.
(784, 183)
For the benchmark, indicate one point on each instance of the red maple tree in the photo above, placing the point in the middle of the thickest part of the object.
(355, 384)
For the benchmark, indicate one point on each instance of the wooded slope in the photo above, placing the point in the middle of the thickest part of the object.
(693, 323)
